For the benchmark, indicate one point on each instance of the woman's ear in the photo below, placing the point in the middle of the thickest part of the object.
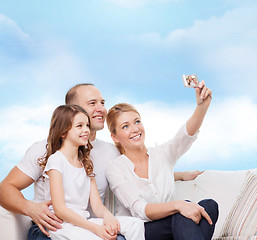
(114, 138)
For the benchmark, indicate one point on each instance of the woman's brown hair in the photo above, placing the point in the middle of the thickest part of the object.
(112, 117)
(61, 123)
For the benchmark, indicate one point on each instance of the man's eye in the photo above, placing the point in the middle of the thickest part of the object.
(103, 103)
(92, 103)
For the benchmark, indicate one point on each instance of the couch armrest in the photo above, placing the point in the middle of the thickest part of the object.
(13, 226)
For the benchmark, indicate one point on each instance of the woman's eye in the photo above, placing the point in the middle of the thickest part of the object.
(125, 126)
(138, 121)
(79, 125)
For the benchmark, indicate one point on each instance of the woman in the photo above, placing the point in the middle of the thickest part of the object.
(143, 181)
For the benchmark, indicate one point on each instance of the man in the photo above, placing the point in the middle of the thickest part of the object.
(27, 170)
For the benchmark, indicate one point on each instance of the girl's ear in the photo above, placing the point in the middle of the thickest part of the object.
(114, 138)
(64, 135)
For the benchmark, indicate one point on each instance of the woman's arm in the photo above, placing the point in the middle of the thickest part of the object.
(155, 211)
(203, 99)
(65, 213)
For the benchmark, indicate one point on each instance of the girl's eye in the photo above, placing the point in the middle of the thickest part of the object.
(125, 126)
(79, 125)
(88, 125)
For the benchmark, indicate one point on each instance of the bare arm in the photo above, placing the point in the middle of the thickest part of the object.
(13, 200)
(155, 211)
(67, 214)
(101, 211)
(203, 99)
(187, 175)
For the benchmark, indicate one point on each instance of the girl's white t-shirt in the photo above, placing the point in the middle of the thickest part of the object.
(76, 183)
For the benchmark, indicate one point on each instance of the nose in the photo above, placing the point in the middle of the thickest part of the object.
(100, 107)
(86, 129)
(135, 128)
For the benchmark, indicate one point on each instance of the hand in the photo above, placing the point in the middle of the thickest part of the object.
(203, 94)
(190, 175)
(193, 211)
(111, 223)
(103, 232)
(43, 217)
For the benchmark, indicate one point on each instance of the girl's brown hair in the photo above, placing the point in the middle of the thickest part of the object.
(61, 123)
(112, 117)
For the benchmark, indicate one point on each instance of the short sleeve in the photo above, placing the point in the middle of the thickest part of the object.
(55, 162)
(29, 163)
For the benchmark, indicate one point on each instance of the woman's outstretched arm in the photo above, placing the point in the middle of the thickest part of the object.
(203, 100)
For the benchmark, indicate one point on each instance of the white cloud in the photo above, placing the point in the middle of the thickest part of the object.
(10, 28)
(228, 130)
(224, 46)
(21, 126)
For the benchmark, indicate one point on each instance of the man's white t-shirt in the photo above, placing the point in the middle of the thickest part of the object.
(101, 154)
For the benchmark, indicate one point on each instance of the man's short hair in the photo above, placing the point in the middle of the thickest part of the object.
(71, 95)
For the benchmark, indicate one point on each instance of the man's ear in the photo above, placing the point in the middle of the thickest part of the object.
(114, 138)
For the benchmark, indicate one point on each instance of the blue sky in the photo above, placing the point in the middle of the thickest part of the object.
(134, 51)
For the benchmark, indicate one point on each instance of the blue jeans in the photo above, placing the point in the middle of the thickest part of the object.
(178, 227)
(36, 234)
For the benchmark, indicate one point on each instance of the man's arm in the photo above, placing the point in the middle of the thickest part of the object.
(13, 200)
(187, 175)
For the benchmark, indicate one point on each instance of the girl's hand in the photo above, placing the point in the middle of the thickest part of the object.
(103, 232)
(111, 223)
(193, 211)
(203, 94)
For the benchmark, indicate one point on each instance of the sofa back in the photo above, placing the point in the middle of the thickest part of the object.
(222, 186)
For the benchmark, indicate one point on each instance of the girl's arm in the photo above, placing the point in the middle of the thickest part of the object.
(101, 211)
(65, 213)
(203, 99)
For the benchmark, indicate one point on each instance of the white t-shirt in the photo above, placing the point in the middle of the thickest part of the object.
(101, 154)
(76, 183)
(133, 192)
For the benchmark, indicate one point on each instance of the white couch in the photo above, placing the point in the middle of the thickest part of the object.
(222, 186)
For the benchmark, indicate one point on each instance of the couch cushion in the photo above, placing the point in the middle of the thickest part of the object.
(242, 219)
(236, 238)
(222, 186)
(13, 226)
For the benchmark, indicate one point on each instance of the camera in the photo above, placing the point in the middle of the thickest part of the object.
(190, 81)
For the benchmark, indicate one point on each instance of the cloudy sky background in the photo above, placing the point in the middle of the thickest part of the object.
(134, 51)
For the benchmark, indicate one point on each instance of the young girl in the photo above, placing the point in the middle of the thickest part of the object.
(68, 172)
(142, 178)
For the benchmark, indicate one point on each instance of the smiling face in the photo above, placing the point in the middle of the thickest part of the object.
(129, 131)
(78, 135)
(90, 98)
